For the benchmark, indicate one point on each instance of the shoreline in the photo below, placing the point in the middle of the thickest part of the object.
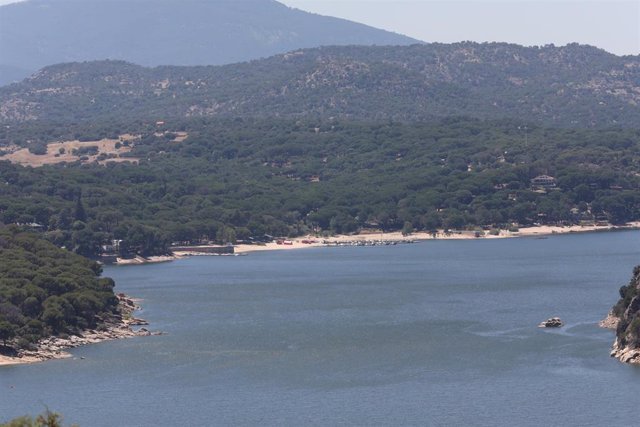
(611, 323)
(56, 347)
(397, 237)
(380, 238)
(630, 355)
(121, 326)
(138, 260)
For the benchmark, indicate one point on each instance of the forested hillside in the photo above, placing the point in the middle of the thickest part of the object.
(572, 86)
(240, 178)
(45, 290)
(37, 33)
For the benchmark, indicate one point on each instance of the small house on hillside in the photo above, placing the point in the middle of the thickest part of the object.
(544, 181)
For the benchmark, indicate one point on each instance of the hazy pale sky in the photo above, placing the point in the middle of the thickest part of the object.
(613, 25)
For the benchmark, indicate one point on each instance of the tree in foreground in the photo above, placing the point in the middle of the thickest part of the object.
(46, 419)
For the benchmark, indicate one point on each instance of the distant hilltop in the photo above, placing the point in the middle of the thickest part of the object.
(37, 33)
(571, 86)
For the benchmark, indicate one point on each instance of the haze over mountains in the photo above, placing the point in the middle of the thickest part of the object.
(37, 33)
(571, 86)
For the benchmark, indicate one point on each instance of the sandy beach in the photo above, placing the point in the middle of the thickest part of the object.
(6, 360)
(148, 260)
(398, 237)
(368, 238)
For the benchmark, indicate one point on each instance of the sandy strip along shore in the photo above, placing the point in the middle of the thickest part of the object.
(149, 260)
(383, 238)
(397, 237)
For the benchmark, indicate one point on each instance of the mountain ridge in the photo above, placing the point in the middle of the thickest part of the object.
(37, 33)
(570, 86)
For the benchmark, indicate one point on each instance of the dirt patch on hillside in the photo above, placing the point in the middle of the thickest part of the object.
(177, 136)
(102, 151)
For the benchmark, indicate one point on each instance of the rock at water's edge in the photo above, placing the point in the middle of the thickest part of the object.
(609, 322)
(626, 347)
(115, 328)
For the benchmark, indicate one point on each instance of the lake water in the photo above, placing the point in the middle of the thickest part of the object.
(435, 333)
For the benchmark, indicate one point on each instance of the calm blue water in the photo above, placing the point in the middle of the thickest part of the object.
(436, 333)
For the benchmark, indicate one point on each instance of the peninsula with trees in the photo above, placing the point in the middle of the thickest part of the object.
(52, 299)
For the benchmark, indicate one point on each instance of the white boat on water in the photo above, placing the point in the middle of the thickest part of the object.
(553, 322)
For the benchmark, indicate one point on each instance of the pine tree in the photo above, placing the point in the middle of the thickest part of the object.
(80, 214)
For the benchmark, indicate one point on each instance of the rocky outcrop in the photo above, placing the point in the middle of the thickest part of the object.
(610, 322)
(626, 347)
(625, 354)
(117, 327)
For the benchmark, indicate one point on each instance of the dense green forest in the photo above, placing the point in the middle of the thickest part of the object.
(571, 86)
(240, 178)
(46, 290)
(334, 140)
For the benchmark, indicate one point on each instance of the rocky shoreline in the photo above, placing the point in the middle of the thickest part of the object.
(120, 326)
(624, 318)
(610, 322)
(624, 353)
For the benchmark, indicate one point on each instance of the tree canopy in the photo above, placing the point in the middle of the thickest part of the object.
(572, 86)
(46, 290)
(237, 178)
